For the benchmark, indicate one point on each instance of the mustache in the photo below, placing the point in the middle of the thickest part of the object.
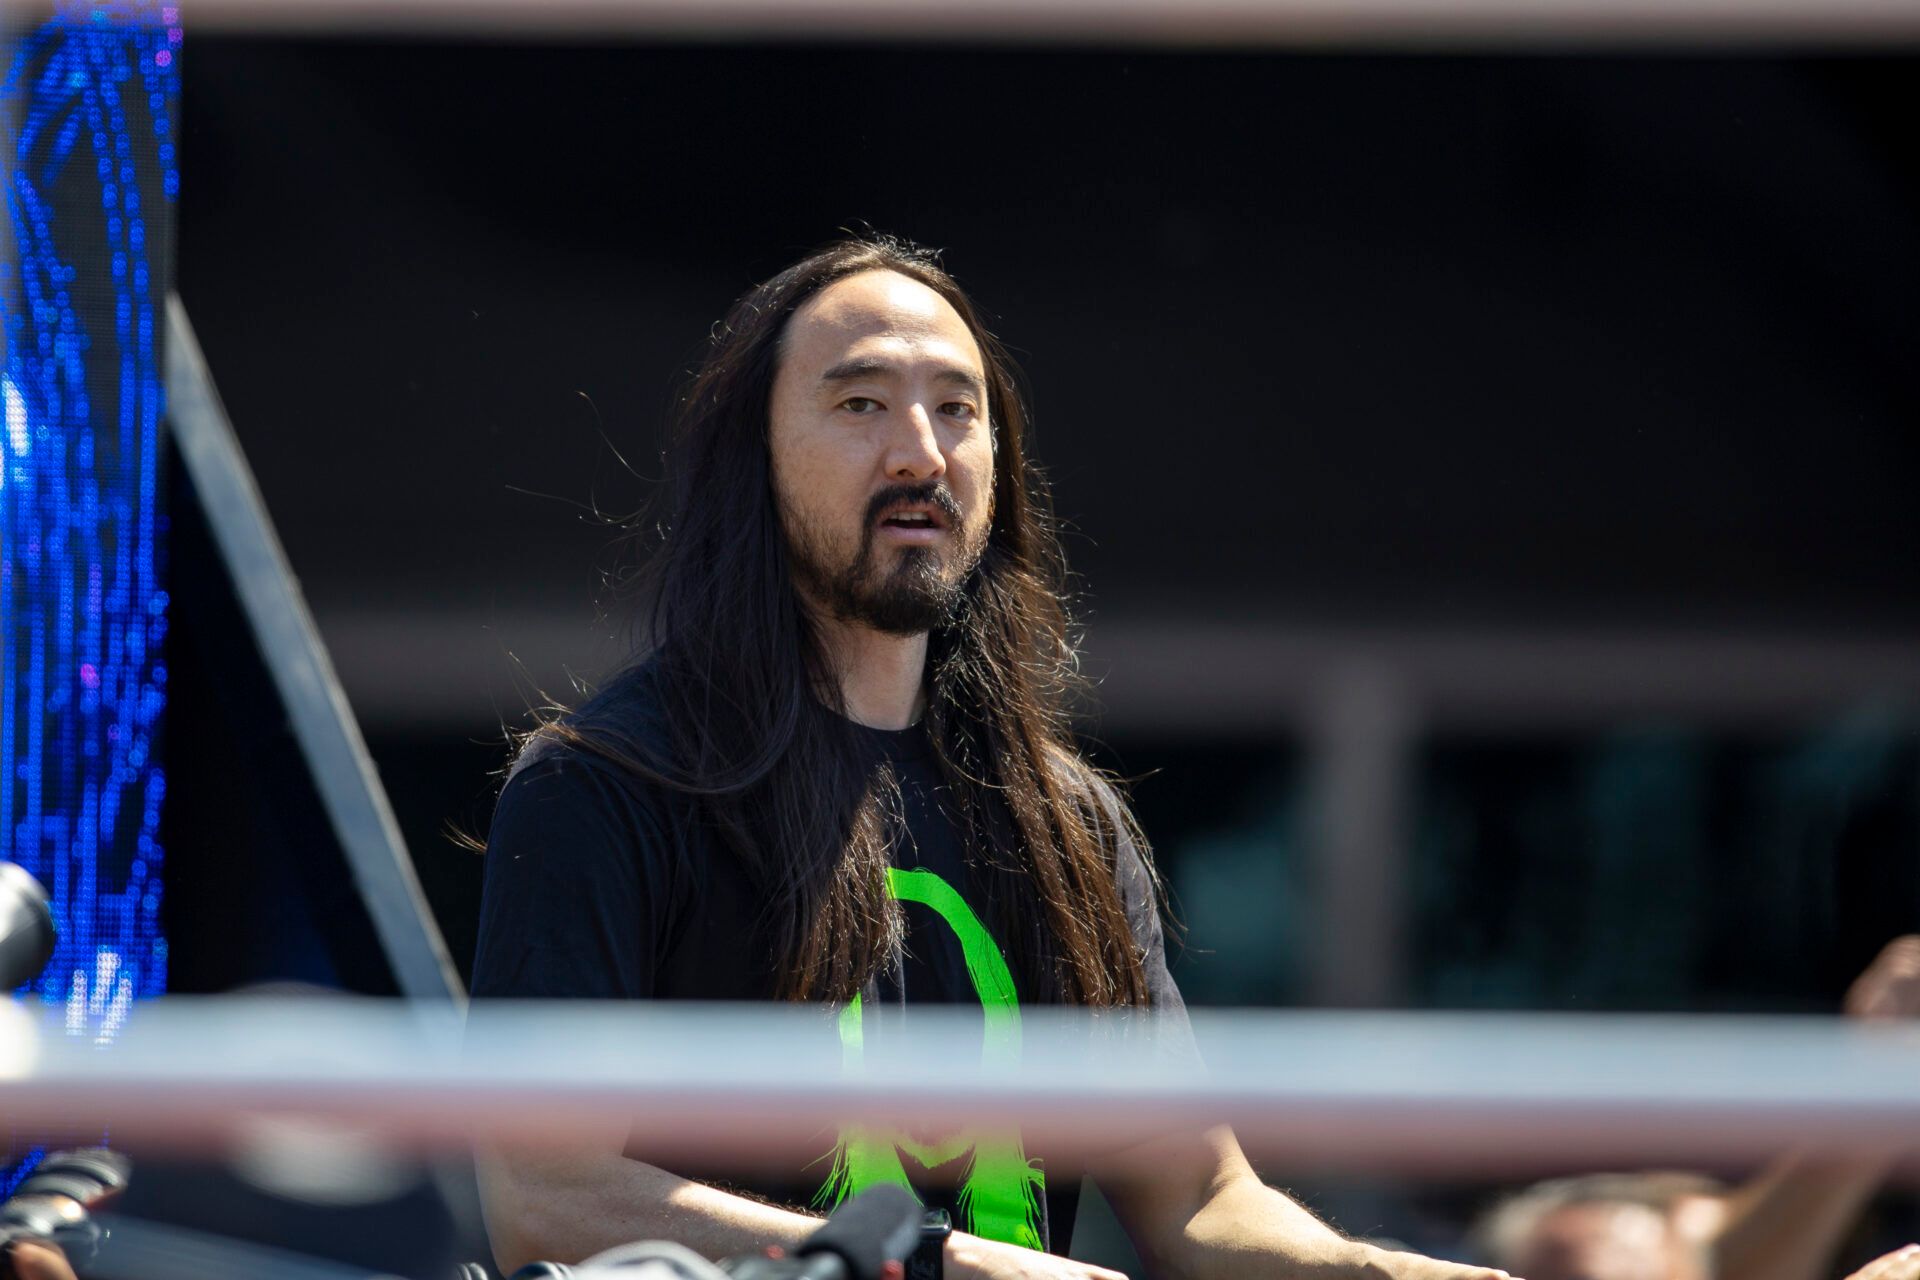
(934, 493)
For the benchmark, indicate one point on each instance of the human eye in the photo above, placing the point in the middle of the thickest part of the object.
(959, 409)
(860, 404)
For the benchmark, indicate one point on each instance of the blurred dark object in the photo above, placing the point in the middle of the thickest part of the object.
(55, 1206)
(315, 1193)
(26, 927)
(297, 1204)
(326, 1192)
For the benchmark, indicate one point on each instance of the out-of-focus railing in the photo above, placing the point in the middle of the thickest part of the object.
(1427, 1093)
(1159, 22)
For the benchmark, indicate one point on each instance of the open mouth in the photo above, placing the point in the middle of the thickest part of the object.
(910, 520)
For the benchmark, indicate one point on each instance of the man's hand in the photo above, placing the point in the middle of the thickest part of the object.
(1890, 987)
(972, 1258)
(30, 1260)
(1901, 1264)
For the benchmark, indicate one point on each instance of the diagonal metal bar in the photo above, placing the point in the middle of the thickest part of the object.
(290, 646)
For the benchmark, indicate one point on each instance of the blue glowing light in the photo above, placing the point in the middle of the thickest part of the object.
(89, 103)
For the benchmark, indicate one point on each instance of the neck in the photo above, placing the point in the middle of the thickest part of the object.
(882, 677)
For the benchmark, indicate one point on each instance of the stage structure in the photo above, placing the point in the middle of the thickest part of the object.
(109, 411)
(91, 177)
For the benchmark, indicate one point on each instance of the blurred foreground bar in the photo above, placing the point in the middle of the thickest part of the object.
(1438, 1094)
(1188, 23)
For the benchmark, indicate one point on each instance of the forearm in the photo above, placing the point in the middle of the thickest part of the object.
(1196, 1210)
(1787, 1223)
(1248, 1229)
(566, 1207)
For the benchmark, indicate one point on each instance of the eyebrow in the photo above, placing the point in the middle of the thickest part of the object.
(857, 369)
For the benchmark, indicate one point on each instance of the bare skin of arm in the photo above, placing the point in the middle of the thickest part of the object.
(564, 1207)
(32, 1261)
(1787, 1223)
(1901, 1264)
(1204, 1214)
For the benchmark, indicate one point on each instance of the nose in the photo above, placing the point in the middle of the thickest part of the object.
(913, 450)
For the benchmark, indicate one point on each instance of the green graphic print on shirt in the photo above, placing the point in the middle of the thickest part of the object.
(1000, 1194)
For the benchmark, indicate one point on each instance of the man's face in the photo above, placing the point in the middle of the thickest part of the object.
(1604, 1241)
(882, 452)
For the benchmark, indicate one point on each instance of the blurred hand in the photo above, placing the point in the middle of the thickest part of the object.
(971, 1258)
(1901, 1264)
(1890, 987)
(27, 1260)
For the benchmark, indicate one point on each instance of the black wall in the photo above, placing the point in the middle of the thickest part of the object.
(1540, 338)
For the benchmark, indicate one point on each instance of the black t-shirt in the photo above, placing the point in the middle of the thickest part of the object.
(599, 885)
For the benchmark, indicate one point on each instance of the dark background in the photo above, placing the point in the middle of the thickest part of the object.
(1588, 351)
(1586, 338)
(1611, 345)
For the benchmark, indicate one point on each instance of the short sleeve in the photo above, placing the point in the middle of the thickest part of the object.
(1142, 906)
(577, 897)
(1172, 1031)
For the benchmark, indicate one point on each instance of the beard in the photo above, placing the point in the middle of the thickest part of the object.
(917, 589)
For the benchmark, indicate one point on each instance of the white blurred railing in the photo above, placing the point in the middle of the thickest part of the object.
(1442, 23)
(1448, 1094)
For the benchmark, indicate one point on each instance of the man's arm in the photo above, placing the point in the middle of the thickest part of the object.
(1196, 1210)
(1901, 1264)
(33, 1260)
(1787, 1223)
(563, 1207)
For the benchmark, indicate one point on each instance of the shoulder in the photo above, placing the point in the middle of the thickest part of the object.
(1075, 772)
(584, 785)
(1135, 879)
(1103, 801)
(626, 720)
(1098, 795)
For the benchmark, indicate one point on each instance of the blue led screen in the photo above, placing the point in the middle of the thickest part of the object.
(91, 177)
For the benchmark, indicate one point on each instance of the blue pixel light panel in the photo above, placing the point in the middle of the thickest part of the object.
(89, 103)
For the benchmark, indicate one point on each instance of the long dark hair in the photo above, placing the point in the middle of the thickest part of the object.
(749, 703)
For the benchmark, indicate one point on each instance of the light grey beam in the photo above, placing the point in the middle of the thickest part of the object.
(290, 646)
(435, 671)
(1440, 1094)
(1390, 24)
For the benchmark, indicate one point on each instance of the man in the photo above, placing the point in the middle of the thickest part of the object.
(1606, 1226)
(1788, 1222)
(843, 772)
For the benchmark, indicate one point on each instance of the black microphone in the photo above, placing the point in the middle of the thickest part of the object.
(879, 1226)
(26, 927)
